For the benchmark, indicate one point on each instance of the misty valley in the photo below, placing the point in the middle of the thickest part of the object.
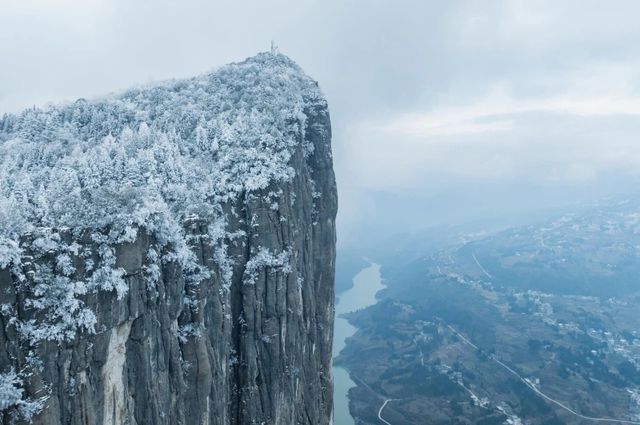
(533, 324)
(409, 212)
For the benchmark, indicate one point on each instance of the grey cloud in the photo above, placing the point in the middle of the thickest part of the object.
(376, 60)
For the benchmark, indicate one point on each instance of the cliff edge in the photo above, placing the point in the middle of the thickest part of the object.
(167, 254)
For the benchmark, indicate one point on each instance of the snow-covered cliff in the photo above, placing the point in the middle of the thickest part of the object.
(167, 254)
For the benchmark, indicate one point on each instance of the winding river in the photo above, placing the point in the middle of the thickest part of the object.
(366, 285)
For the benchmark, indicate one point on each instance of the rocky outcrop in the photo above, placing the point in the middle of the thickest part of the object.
(238, 333)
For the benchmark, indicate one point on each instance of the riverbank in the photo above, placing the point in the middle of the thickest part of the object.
(362, 294)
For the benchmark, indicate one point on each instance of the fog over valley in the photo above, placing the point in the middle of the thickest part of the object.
(306, 212)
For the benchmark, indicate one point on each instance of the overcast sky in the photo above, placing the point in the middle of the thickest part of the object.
(429, 99)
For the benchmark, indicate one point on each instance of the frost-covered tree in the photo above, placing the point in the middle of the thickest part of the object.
(12, 403)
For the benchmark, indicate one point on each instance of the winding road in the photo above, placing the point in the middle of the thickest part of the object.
(381, 409)
(486, 273)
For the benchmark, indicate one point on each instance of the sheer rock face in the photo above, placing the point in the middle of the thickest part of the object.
(252, 350)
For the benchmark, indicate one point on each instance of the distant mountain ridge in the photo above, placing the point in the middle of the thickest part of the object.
(593, 251)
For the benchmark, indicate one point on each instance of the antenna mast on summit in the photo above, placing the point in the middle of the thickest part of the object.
(274, 48)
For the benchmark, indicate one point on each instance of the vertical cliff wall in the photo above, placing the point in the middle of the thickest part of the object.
(167, 255)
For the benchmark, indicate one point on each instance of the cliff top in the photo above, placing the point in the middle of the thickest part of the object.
(152, 156)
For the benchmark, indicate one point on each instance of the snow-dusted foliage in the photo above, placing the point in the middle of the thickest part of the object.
(10, 390)
(97, 173)
(11, 397)
(265, 259)
(166, 150)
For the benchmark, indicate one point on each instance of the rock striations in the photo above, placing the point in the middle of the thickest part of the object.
(167, 254)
